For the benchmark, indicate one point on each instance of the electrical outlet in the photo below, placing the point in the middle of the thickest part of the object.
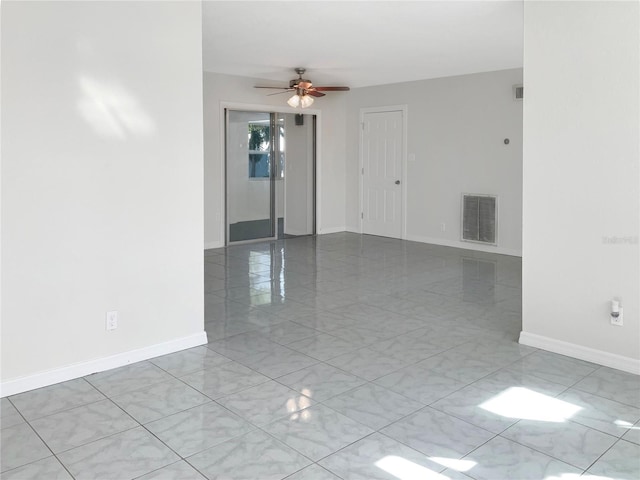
(112, 320)
(443, 227)
(617, 321)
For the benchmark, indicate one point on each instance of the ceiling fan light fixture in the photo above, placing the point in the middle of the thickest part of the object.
(302, 101)
(294, 101)
(306, 101)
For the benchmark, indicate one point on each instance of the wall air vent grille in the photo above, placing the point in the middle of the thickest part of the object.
(479, 218)
(518, 92)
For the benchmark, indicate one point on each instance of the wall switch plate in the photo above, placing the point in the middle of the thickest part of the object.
(112, 320)
(617, 321)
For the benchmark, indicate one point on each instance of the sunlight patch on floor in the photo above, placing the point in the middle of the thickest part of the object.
(460, 465)
(404, 469)
(525, 404)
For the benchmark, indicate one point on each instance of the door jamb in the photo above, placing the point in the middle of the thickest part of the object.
(403, 163)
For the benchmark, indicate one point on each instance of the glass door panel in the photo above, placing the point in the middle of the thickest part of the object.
(250, 176)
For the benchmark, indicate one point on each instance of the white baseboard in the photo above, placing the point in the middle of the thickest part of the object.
(600, 357)
(326, 231)
(297, 233)
(77, 370)
(466, 245)
(208, 245)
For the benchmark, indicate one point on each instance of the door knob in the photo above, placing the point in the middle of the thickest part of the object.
(397, 182)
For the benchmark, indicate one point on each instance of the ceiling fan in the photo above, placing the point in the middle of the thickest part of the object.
(304, 90)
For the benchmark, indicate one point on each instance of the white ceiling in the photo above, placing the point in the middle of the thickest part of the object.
(361, 43)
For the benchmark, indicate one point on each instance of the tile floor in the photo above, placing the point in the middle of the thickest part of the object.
(340, 357)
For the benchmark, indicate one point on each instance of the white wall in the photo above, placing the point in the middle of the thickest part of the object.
(101, 184)
(298, 179)
(581, 179)
(456, 128)
(227, 89)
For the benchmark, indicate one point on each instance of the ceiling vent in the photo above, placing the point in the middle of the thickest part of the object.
(518, 92)
(479, 218)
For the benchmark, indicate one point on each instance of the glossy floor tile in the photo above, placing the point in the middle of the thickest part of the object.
(340, 356)
(278, 361)
(9, 416)
(126, 379)
(612, 384)
(56, 398)
(323, 346)
(313, 472)
(159, 400)
(437, 434)
(287, 332)
(266, 403)
(254, 455)
(49, 468)
(367, 363)
(456, 365)
(317, 431)
(19, 445)
(320, 381)
(373, 406)
(504, 379)
(600, 413)
(176, 471)
(632, 433)
(503, 459)
(199, 428)
(622, 461)
(555, 368)
(189, 361)
(419, 384)
(378, 457)
(78, 426)
(224, 380)
(124, 455)
(243, 345)
(469, 404)
(570, 442)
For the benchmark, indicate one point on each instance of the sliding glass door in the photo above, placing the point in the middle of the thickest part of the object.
(262, 202)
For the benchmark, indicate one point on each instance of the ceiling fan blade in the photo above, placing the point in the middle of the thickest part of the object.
(277, 88)
(280, 93)
(332, 89)
(313, 93)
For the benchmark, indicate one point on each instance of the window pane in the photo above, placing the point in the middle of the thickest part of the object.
(258, 165)
(259, 137)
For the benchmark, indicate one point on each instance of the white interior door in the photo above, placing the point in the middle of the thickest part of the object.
(382, 144)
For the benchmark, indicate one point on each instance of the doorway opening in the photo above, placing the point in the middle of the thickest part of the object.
(270, 161)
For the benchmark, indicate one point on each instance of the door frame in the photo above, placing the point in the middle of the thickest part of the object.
(250, 107)
(403, 163)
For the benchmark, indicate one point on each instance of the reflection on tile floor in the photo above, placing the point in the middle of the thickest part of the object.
(340, 357)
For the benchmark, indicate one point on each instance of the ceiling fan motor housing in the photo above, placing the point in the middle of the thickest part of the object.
(301, 82)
